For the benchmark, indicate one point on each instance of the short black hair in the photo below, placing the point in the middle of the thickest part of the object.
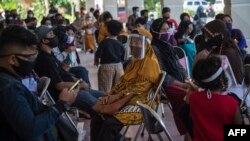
(205, 68)
(226, 15)
(114, 27)
(135, 8)
(182, 16)
(44, 20)
(106, 15)
(91, 9)
(219, 16)
(96, 14)
(144, 11)
(18, 36)
(165, 10)
(141, 21)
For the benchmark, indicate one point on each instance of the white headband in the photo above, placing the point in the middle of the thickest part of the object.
(214, 76)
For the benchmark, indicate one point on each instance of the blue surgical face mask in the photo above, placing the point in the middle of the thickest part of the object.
(30, 15)
(229, 26)
(49, 26)
(137, 14)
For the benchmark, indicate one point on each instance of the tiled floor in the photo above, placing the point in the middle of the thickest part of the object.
(88, 61)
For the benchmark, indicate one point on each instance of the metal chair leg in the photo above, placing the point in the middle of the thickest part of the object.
(160, 137)
(138, 131)
(142, 132)
(168, 135)
(124, 133)
(162, 110)
(150, 137)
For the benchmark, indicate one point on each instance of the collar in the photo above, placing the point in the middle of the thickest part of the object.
(4, 70)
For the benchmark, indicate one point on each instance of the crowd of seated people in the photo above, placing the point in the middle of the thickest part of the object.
(28, 52)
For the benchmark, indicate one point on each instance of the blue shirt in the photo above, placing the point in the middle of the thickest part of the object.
(22, 116)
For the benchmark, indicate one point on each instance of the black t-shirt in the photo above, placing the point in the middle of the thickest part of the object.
(110, 51)
(47, 65)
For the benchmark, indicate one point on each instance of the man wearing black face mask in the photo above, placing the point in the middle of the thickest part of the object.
(166, 15)
(23, 116)
(31, 20)
(48, 65)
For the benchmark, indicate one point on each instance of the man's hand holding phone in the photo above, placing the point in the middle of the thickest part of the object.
(69, 95)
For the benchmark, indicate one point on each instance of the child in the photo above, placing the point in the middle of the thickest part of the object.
(110, 53)
(211, 108)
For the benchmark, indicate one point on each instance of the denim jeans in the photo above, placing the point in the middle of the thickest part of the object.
(80, 72)
(86, 99)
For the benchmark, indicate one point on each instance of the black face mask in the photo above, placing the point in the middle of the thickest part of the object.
(215, 41)
(53, 42)
(24, 68)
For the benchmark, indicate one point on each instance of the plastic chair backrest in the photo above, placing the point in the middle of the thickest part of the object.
(183, 60)
(42, 86)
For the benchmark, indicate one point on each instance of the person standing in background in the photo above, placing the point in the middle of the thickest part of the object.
(132, 18)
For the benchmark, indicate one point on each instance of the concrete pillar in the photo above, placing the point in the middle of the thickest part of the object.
(112, 7)
(131, 3)
(176, 7)
(239, 10)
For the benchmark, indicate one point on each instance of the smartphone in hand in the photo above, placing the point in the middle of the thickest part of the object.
(75, 85)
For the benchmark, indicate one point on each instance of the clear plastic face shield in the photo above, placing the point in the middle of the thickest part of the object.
(226, 67)
(137, 45)
(228, 71)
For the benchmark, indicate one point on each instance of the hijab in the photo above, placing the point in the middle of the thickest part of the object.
(146, 69)
(166, 54)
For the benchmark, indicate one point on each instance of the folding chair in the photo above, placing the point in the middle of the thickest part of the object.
(183, 60)
(153, 123)
(244, 107)
(46, 98)
(42, 87)
(152, 97)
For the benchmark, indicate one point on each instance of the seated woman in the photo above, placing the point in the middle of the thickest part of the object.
(209, 108)
(217, 41)
(139, 77)
(174, 85)
(184, 37)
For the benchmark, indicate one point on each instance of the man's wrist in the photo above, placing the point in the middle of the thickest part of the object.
(62, 106)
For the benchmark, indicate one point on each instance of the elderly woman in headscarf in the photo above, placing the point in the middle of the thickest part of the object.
(217, 41)
(174, 84)
(140, 76)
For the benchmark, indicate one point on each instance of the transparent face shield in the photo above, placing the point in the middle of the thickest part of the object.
(226, 68)
(228, 71)
(137, 46)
